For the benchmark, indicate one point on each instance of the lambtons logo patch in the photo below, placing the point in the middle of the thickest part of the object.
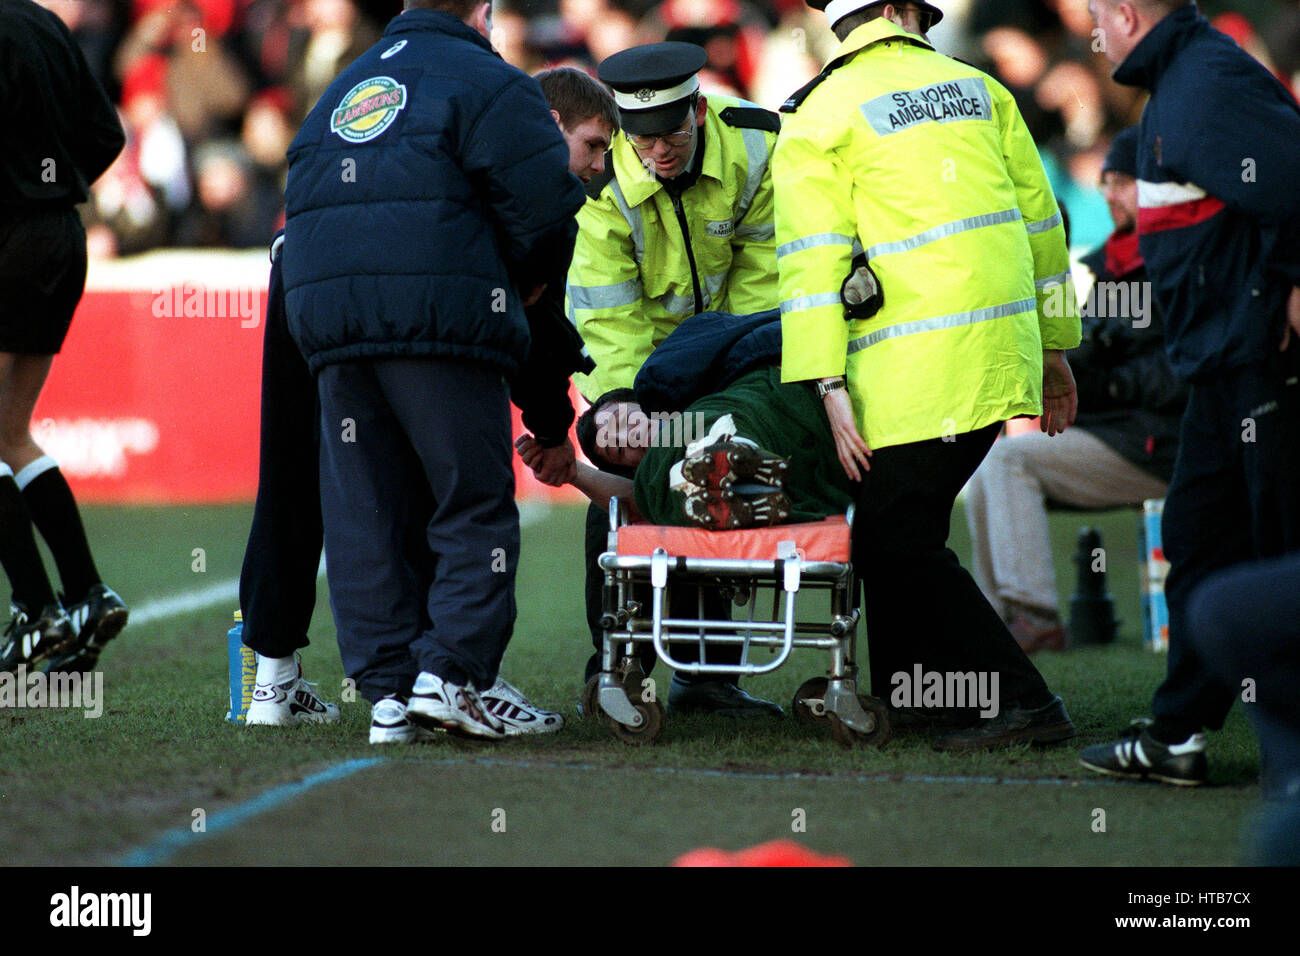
(368, 109)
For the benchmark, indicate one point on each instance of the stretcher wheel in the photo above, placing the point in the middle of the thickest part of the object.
(652, 725)
(845, 736)
(590, 706)
(631, 677)
(808, 705)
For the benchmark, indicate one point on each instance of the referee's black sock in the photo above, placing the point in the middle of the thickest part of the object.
(54, 512)
(18, 554)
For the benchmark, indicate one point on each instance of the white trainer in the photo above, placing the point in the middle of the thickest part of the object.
(389, 725)
(517, 713)
(289, 704)
(439, 703)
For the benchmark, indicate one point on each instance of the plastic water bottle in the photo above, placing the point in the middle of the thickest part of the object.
(243, 671)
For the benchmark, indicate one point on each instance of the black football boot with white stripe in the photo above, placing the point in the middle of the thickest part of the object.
(97, 619)
(31, 641)
(1139, 756)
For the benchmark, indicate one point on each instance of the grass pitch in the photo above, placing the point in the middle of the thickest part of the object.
(161, 759)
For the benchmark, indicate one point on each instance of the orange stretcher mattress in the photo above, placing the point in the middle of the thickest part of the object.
(825, 540)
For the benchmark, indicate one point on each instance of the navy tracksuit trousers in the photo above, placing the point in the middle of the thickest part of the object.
(421, 528)
(1234, 497)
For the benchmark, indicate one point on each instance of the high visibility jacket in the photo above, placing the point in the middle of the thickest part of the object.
(925, 164)
(634, 272)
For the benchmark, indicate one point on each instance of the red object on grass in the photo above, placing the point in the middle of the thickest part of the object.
(775, 853)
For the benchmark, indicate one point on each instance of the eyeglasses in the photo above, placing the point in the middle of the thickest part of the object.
(925, 18)
(676, 138)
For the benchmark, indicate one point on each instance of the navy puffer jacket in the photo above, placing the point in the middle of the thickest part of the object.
(704, 355)
(427, 187)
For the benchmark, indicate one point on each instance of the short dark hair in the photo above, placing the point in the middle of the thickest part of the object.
(1168, 6)
(586, 430)
(1151, 7)
(577, 97)
(457, 8)
(858, 17)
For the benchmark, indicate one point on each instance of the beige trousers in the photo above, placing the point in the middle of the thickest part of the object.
(1005, 507)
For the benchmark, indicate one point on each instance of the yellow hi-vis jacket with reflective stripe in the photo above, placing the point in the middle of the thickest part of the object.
(630, 281)
(924, 163)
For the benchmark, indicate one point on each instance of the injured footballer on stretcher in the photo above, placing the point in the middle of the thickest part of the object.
(710, 436)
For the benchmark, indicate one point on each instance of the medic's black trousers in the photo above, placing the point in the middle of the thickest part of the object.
(921, 606)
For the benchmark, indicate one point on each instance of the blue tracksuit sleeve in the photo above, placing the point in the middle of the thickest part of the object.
(515, 153)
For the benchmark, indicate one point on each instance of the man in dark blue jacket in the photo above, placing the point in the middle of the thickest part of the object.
(1219, 230)
(428, 201)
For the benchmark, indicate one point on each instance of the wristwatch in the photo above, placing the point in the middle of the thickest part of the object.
(826, 386)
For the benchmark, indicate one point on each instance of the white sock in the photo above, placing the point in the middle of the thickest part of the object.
(276, 670)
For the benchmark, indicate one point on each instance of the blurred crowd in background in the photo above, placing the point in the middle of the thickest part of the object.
(211, 92)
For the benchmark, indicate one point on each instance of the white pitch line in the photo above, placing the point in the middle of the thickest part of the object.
(223, 592)
(227, 591)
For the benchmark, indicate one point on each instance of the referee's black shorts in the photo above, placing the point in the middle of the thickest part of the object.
(42, 276)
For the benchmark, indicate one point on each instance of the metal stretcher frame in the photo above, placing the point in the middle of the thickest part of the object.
(624, 700)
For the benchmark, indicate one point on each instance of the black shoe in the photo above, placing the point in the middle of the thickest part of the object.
(30, 642)
(1139, 756)
(1048, 724)
(97, 619)
(717, 697)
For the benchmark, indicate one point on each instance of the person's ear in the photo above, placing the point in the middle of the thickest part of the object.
(556, 116)
(481, 20)
(1130, 19)
(701, 110)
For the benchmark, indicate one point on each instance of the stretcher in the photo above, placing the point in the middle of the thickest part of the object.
(645, 564)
